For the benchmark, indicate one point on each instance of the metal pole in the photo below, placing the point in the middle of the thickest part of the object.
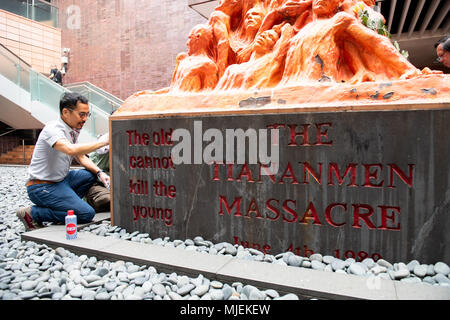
(23, 150)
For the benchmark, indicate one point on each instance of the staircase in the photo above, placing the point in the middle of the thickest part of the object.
(29, 100)
(18, 155)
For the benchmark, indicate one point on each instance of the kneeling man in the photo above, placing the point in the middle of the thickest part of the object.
(51, 186)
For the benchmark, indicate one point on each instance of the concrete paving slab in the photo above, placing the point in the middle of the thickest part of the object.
(85, 243)
(307, 282)
(414, 291)
(285, 279)
(168, 259)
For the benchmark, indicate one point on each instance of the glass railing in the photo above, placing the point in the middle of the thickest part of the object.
(37, 10)
(13, 68)
(102, 99)
(46, 91)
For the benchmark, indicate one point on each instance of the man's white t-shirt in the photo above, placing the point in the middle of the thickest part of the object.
(48, 163)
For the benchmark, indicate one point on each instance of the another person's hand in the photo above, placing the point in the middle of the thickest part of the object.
(104, 139)
(104, 178)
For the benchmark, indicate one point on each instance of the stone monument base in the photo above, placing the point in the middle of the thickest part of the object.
(365, 177)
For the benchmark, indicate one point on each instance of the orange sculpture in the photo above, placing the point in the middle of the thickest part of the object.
(302, 51)
(195, 70)
(338, 47)
(264, 68)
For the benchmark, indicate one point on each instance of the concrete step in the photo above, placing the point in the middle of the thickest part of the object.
(304, 282)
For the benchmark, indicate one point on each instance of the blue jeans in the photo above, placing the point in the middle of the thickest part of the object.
(52, 201)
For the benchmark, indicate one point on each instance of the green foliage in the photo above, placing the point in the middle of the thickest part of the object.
(403, 52)
(378, 26)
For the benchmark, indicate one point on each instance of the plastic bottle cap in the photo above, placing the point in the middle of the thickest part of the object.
(70, 213)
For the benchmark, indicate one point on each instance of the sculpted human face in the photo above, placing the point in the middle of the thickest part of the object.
(196, 39)
(253, 18)
(265, 41)
(325, 7)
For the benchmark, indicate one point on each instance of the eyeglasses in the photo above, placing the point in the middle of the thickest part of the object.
(82, 114)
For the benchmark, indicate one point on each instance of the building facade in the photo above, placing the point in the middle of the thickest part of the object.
(124, 46)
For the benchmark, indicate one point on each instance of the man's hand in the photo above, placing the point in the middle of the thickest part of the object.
(104, 178)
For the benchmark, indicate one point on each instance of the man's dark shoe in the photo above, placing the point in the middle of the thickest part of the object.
(24, 214)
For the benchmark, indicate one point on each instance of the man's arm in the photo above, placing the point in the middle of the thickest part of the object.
(87, 163)
(73, 150)
(92, 167)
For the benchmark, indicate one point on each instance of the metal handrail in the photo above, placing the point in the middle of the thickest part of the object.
(113, 101)
(14, 56)
(100, 91)
(47, 3)
(48, 92)
(5, 133)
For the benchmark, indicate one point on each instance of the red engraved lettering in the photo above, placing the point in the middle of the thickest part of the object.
(369, 175)
(290, 175)
(323, 134)
(144, 212)
(273, 209)
(230, 172)
(136, 135)
(266, 249)
(245, 172)
(362, 255)
(268, 171)
(289, 210)
(168, 137)
(351, 169)
(172, 191)
(307, 252)
(329, 210)
(294, 134)
(308, 169)
(365, 216)
(349, 254)
(388, 213)
(237, 202)
(216, 172)
(145, 139)
(406, 179)
(132, 162)
(311, 213)
(156, 139)
(253, 207)
(132, 187)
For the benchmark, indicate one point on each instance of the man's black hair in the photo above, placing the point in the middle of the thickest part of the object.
(446, 45)
(70, 99)
(442, 40)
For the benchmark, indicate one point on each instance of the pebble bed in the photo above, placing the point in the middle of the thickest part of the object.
(34, 271)
(413, 272)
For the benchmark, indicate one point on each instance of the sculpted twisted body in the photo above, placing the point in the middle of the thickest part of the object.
(277, 44)
(327, 41)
